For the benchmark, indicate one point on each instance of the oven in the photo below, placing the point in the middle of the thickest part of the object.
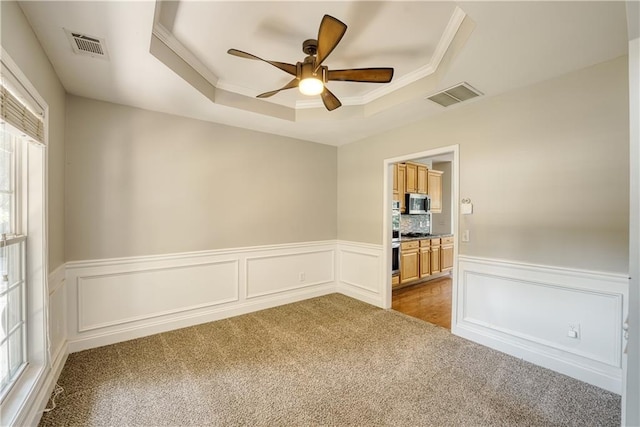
(395, 257)
(395, 237)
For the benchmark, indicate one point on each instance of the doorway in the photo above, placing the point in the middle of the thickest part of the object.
(431, 293)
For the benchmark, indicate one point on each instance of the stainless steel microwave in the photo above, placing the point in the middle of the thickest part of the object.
(417, 203)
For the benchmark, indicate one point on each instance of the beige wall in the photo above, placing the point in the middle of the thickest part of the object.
(142, 183)
(23, 47)
(546, 167)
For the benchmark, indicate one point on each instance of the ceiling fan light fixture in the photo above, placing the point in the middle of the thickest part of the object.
(311, 76)
(311, 86)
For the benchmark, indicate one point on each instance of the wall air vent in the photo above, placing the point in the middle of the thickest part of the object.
(83, 44)
(455, 95)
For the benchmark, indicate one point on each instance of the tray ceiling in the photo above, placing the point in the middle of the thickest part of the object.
(171, 56)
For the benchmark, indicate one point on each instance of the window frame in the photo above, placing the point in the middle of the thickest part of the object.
(24, 403)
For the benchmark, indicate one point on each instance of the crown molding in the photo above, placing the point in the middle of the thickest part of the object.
(165, 36)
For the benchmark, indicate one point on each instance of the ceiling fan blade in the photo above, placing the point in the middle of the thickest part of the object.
(367, 75)
(293, 83)
(287, 68)
(329, 99)
(329, 35)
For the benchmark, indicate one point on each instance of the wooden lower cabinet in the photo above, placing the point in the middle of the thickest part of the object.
(435, 256)
(422, 258)
(409, 261)
(395, 280)
(446, 254)
(425, 258)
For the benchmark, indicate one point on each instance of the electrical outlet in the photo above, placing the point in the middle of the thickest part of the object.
(574, 330)
(302, 277)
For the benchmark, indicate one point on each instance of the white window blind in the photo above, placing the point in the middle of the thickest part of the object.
(17, 114)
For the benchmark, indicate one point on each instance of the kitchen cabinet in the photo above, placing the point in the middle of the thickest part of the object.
(420, 259)
(395, 178)
(395, 280)
(412, 178)
(409, 261)
(435, 256)
(401, 179)
(422, 180)
(434, 189)
(446, 254)
(425, 258)
(416, 178)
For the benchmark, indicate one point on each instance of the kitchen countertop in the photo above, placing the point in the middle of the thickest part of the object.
(432, 236)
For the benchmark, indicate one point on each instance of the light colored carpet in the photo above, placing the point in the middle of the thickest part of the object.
(325, 361)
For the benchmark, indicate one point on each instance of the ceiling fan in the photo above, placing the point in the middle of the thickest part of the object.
(311, 76)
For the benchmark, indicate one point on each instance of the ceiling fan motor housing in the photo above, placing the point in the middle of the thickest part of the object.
(310, 46)
(307, 68)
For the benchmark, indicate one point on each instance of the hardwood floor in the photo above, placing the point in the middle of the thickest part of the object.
(430, 301)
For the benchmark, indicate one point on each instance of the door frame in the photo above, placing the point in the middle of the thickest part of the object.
(387, 197)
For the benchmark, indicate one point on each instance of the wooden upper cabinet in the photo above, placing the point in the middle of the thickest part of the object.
(434, 185)
(395, 177)
(402, 179)
(412, 178)
(422, 179)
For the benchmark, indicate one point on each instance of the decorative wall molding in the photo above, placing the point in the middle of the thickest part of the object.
(56, 279)
(113, 300)
(361, 271)
(56, 309)
(283, 272)
(100, 302)
(525, 310)
(529, 319)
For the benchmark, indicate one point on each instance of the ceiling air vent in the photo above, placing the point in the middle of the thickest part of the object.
(455, 95)
(83, 44)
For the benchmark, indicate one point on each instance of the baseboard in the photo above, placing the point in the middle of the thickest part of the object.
(361, 272)
(181, 290)
(526, 310)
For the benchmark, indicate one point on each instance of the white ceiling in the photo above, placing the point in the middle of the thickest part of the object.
(494, 46)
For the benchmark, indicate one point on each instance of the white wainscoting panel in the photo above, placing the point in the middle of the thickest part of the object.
(114, 300)
(360, 269)
(283, 272)
(526, 310)
(57, 312)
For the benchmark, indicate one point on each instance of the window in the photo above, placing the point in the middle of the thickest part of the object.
(12, 261)
(24, 357)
